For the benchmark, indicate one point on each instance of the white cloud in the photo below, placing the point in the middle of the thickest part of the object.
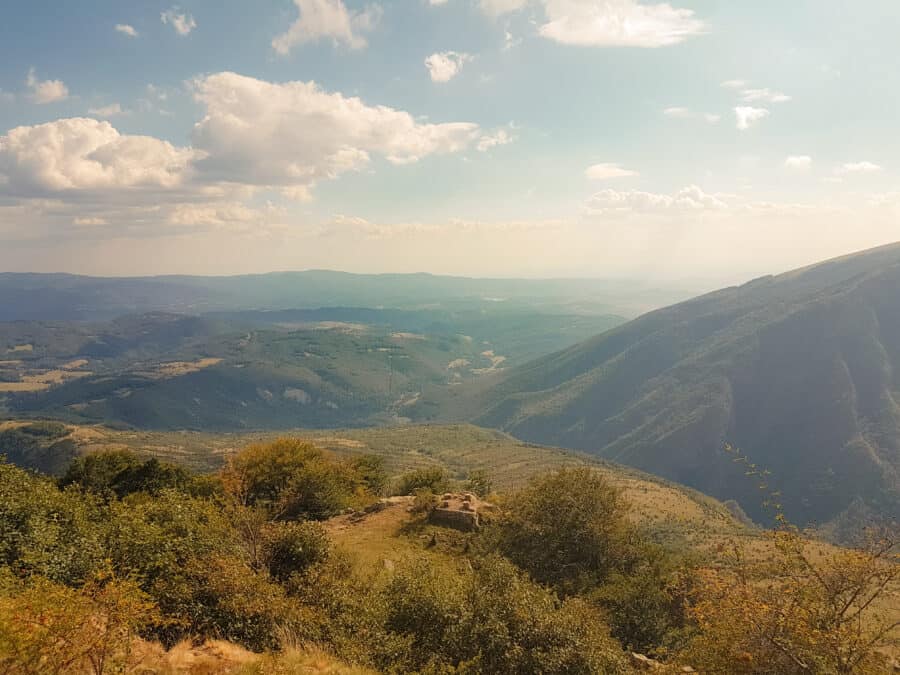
(86, 154)
(682, 113)
(607, 23)
(437, 3)
(499, 137)
(858, 167)
(444, 66)
(608, 171)
(127, 29)
(764, 96)
(219, 215)
(328, 19)
(618, 23)
(295, 134)
(734, 84)
(499, 7)
(678, 112)
(45, 91)
(747, 116)
(89, 221)
(108, 110)
(182, 22)
(510, 41)
(798, 162)
(614, 202)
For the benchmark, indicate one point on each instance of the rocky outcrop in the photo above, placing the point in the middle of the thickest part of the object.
(460, 511)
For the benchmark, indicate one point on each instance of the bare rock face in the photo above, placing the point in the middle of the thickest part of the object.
(459, 511)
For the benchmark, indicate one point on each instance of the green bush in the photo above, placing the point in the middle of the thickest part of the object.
(292, 548)
(480, 483)
(121, 472)
(491, 620)
(48, 532)
(371, 472)
(433, 479)
(568, 529)
(647, 605)
(292, 479)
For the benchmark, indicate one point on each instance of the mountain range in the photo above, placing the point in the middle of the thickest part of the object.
(799, 371)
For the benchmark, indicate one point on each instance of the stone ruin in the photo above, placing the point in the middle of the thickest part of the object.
(460, 511)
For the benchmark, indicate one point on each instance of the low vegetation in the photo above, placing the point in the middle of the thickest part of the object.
(123, 553)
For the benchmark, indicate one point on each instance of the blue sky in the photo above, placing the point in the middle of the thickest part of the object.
(701, 139)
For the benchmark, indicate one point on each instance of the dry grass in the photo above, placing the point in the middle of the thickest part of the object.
(217, 656)
(179, 368)
(23, 386)
(20, 349)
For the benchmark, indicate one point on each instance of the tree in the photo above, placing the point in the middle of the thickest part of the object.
(568, 529)
(803, 608)
(291, 479)
(118, 473)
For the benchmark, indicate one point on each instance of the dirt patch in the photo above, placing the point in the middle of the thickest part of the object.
(179, 368)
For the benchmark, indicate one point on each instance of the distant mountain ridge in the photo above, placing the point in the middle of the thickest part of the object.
(799, 370)
(61, 297)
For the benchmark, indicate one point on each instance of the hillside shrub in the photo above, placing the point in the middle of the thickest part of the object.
(50, 628)
(568, 529)
(121, 473)
(491, 620)
(47, 532)
(292, 479)
(433, 479)
(292, 548)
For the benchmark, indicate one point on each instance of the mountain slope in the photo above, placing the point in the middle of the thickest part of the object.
(798, 370)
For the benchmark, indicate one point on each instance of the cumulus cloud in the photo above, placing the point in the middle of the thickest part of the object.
(608, 171)
(607, 23)
(127, 29)
(111, 110)
(86, 154)
(858, 167)
(689, 199)
(618, 23)
(182, 22)
(798, 162)
(328, 19)
(45, 91)
(444, 66)
(678, 112)
(747, 116)
(488, 141)
(763, 96)
(294, 134)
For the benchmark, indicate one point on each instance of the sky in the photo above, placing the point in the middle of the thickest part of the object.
(702, 140)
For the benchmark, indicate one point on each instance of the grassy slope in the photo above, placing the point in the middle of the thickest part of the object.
(670, 508)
